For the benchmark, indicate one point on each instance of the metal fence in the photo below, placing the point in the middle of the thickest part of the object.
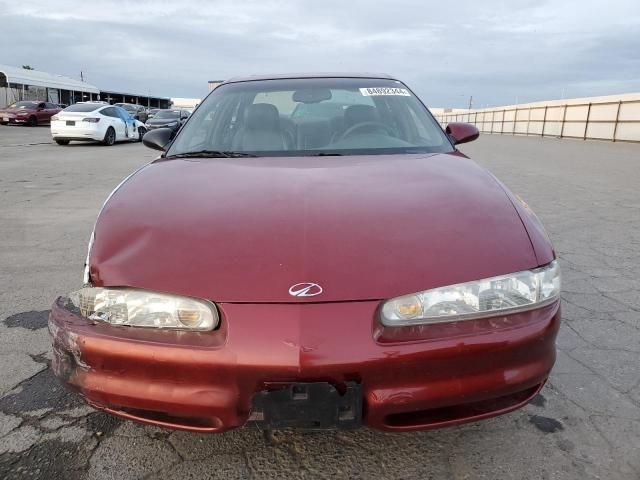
(614, 120)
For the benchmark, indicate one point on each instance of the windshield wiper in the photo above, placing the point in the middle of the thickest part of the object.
(212, 154)
(326, 154)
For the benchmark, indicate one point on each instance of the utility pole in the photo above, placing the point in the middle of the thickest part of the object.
(81, 76)
(470, 102)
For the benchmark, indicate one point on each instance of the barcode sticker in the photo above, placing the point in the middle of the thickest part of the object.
(374, 91)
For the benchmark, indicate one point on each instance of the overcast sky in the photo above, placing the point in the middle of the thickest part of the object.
(498, 51)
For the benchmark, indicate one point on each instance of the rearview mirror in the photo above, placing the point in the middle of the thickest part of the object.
(462, 132)
(311, 95)
(158, 139)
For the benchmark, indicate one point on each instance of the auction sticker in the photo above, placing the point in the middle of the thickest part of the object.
(375, 91)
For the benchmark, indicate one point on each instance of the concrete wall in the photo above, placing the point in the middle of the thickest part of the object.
(189, 103)
(613, 117)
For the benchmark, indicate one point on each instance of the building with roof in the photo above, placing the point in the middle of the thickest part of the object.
(21, 84)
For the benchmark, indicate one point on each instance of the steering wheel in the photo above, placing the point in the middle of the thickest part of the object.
(361, 125)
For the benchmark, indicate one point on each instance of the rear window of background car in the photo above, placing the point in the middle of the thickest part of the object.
(82, 107)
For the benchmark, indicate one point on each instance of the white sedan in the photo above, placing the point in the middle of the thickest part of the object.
(95, 122)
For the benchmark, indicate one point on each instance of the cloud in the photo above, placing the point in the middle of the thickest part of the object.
(497, 51)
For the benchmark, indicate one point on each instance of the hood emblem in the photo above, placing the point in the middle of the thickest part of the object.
(305, 289)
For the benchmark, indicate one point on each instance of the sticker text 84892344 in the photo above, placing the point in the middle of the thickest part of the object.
(373, 91)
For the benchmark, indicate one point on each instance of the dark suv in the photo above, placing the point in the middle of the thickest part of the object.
(29, 112)
(172, 118)
(136, 111)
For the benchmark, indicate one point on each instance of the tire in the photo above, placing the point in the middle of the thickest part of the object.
(62, 142)
(141, 132)
(109, 137)
(33, 121)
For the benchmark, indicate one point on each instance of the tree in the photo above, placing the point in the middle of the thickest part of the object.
(28, 67)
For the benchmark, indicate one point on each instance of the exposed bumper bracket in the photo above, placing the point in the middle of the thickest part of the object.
(309, 406)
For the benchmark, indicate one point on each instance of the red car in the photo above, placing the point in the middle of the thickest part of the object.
(342, 266)
(29, 113)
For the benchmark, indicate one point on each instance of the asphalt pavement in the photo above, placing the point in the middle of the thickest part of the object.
(584, 425)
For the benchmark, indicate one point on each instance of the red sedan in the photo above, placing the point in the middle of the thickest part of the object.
(311, 252)
(29, 113)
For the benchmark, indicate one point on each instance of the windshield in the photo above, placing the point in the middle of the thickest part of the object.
(83, 107)
(24, 105)
(339, 116)
(168, 114)
(126, 106)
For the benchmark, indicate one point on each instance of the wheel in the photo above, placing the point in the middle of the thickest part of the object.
(4, 123)
(141, 132)
(33, 121)
(109, 137)
(62, 142)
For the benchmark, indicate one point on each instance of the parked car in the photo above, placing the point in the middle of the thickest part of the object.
(312, 272)
(171, 118)
(30, 113)
(136, 111)
(94, 121)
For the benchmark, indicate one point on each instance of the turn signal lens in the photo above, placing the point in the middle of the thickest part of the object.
(409, 307)
(189, 318)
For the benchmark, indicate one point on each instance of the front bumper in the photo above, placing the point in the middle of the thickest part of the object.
(412, 378)
(13, 118)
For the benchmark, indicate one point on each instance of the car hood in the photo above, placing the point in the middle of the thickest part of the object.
(361, 227)
(17, 110)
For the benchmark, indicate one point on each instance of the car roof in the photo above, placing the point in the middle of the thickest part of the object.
(282, 76)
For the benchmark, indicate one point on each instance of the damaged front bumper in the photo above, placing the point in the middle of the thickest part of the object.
(406, 378)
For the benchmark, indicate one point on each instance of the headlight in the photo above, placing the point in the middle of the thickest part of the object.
(141, 308)
(482, 298)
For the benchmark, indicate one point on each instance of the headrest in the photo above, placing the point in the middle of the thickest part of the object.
(262, 116)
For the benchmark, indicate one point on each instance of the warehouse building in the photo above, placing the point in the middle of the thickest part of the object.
(18, 84)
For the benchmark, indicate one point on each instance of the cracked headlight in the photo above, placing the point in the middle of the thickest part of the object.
(142, 308)
(482, 298)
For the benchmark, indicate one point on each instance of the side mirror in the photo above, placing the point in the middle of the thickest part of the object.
(158, 139)
(462, 132)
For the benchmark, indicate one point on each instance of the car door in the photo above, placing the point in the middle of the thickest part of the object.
(51, 110)
(41, 113)
(129, 124)
(116, 121)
